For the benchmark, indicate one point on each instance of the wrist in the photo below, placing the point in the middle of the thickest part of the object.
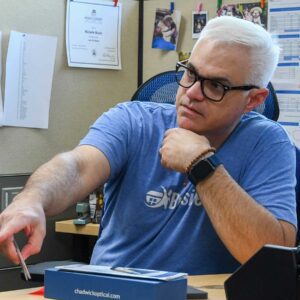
(203, 168)
(31, 197)
(210, 151)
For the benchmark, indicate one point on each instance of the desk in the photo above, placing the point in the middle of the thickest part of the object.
(213, 284)
(67, 226)
(85, 237)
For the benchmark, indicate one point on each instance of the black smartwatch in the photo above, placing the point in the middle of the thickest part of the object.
(203, 169)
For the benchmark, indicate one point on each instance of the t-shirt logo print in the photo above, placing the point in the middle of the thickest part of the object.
(169, 199)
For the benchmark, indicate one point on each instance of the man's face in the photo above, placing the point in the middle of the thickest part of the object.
(226, 64)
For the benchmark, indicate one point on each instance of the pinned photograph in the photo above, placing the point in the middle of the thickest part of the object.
(166, 29)
(248, 11)
(230, 10)
(254, 13)
(199, 21)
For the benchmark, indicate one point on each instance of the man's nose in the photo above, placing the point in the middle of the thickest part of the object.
(195, 92)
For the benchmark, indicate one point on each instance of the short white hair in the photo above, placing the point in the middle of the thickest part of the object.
(264, 51)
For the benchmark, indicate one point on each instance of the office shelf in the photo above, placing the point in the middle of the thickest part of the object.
(67, 226)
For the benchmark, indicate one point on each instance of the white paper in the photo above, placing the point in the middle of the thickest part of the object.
(288, 68)
(287, 72)
(290, 47)
(93, 30)
(29, 72)
(294, 132)
(284, 16)
(288, 95)
(1, 101)
(284, 25)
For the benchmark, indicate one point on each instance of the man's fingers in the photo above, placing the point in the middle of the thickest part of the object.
(34, 233)
(34, 243)
(9, 250)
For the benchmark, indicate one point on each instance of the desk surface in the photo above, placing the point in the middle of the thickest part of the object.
(213, 284)
(67, 226)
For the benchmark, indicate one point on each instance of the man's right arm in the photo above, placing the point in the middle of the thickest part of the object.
(64, 180)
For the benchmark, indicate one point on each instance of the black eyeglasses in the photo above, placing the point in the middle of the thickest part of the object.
(211, 89)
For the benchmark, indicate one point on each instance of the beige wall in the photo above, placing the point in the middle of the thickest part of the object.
(78, 95)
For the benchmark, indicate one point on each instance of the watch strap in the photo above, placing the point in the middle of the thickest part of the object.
(203, 168)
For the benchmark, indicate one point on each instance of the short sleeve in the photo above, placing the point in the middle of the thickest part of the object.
(110, 134)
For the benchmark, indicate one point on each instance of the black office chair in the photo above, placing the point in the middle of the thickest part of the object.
(162, 88)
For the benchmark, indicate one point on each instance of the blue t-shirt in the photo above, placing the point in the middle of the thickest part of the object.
(153, 217)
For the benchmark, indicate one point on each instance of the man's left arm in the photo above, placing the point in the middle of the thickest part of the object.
(242, 224)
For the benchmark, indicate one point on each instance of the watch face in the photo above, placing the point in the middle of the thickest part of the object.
(203, 169)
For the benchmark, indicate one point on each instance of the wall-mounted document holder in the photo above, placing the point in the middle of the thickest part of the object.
(271, 274)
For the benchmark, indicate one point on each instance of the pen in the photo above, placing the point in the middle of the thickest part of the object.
(23, 264)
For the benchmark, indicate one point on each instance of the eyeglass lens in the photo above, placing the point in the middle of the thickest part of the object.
(211, 89)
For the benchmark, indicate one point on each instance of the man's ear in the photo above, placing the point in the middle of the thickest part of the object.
(256, 97)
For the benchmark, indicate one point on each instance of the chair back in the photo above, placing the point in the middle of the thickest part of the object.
(162, 88)
(270, 107)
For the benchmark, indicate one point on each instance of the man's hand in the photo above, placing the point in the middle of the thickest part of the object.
(48, 193)
(22, 215)
(180, 147)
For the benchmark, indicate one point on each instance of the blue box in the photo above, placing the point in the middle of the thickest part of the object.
(62, 284)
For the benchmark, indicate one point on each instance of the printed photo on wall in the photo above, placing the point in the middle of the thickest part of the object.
(199, 20)
(248, 11)
(254, 13)
(230, 10)
(166, 29)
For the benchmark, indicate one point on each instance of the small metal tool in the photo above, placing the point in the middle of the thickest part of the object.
(23, 264)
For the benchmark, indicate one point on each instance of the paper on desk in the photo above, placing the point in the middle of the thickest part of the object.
(123, 272)
(1, 101)
(29, 72)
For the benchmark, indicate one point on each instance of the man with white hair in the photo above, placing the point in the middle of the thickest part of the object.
(197, 188)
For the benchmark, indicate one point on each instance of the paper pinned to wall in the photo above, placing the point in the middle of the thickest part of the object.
(93, 30)
(284, 16)
(1, 101)
(284, 25)
(29, 72)
(288, 95)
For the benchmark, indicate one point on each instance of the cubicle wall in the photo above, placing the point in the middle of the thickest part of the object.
(78, 95)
